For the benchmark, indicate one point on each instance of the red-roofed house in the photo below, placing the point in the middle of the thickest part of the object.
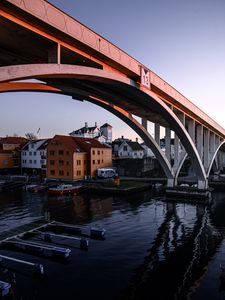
(75, 158)
(10, 152)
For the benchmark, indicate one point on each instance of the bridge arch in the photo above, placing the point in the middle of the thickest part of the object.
(120, 113)
(141, 97)
(214, 157)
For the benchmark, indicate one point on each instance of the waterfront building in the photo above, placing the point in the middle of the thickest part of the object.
(98, 155)
(106, 130)
(10, 153)
(73, 158)
(102, 134)
(147, 151)
(125, 148)
(33, 157)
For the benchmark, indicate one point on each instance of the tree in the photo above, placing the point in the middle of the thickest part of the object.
(31, 136)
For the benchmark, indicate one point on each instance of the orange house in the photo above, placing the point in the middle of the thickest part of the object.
(75, 158)
(65, 159)
(10, 152)
(99, 155)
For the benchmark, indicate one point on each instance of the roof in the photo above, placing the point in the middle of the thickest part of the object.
(13, 140)
(135, 146)
(18, 143)
(44, 144)
(78, 144)
(88, 143)
(106, 125)
(84, 130)
(68, 141)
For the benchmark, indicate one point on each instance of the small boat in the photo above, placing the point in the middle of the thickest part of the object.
(30, 187)
(40, 188)
(65, 189)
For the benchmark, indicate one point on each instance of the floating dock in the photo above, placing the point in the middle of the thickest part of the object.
(182, 193)
(49, 235)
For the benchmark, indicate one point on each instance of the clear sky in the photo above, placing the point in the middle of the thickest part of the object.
(181, 41)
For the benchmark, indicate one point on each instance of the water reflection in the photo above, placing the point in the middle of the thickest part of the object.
(154, 249)
(178, 256)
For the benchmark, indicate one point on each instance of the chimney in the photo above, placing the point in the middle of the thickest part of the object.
(122, 137)
(137, 140)
(96, 124)
(86, 124)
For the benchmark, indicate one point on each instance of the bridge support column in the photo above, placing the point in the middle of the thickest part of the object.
(206, 149)
(171, 182)
(202, 184)
(144, 123)
(199, 140)
(191, 129)
(157, 133)
(168, 143)
(212, 145)
(176, 152)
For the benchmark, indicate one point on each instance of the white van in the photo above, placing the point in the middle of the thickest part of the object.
(106, 172)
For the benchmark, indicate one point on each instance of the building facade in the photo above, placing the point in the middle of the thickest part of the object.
(10, 153)
(126, 148)
(33, 157)
(102, 134)
(73, 158)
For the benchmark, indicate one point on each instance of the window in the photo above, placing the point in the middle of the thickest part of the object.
(52, 172)
(30, 161)
(67, 153)
(52, 152)
(61, 162)
(78, 162)
(93, 151)
(52, 162)
(124, 148)
(30, 153)
(98, 161)
(93, 162)
(61, 152)
(84, 162)
(32, 146)
(98, 152)
(102, 151)
(61, 172)
(34, 152)
(67, 163)
(78, 172)
(35, 161)
(102, 161)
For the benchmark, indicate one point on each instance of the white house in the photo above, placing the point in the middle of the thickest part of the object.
(147, 151)
(130, 149)
(102, 134)
(33, 156)
(106, 131)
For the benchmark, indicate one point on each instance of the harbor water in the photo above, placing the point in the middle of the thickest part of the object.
(153, 248)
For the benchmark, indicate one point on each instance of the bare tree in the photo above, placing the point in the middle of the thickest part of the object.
(31, 136)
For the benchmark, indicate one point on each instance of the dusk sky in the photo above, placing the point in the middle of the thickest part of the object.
(181, 41)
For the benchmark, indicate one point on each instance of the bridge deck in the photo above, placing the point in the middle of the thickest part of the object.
(38, 25)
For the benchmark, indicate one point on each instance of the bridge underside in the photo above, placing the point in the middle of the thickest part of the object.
(118, 96)
(38, 41)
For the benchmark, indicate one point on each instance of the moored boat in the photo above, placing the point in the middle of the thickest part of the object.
(64, 189)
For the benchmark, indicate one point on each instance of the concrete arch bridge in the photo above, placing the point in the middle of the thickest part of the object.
(39, 41)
